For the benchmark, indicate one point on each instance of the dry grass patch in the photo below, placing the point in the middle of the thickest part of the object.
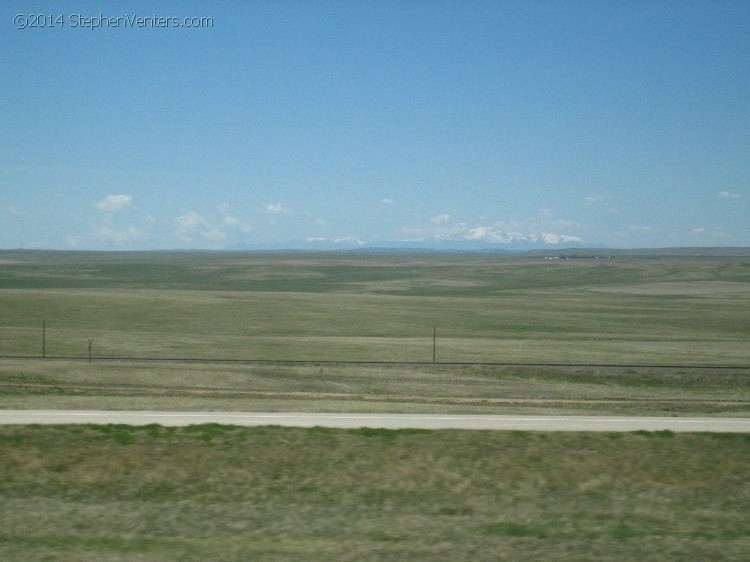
(370, 388)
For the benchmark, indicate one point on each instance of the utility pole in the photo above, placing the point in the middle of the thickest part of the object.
(91, 341)
(44, 338)
(434, 342)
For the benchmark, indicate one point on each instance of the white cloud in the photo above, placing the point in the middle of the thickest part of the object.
(214, 235)
(230, 221)
(698, 230)
(114, 203)
(480, 233)
(188, 224)
(295, 214)
(729, 195)
(493, 235)
(121, 236)
(191, 220)
(441, 219)
(278, 209)
(386, 201)
(192, 226)
(550, 238)
(348, 240)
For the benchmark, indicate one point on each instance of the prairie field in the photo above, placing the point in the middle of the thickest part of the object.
(648, 333)
(612, 333)
(373, 307)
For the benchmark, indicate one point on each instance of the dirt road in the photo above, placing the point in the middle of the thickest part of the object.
(389, 421)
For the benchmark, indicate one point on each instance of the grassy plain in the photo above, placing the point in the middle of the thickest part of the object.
(649, 308)
(228, 493)
(378, 307)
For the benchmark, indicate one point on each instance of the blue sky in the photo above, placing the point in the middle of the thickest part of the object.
(374, 123)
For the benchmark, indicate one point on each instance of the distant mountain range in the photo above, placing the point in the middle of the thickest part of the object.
(425, 245)
(549, 252)
(569, 249)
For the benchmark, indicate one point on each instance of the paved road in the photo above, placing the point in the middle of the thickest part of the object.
(389, 421)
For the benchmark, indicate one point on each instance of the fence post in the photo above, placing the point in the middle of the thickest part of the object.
(91, 341)
(44, 338)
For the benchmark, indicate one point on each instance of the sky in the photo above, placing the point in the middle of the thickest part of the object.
(356, 123)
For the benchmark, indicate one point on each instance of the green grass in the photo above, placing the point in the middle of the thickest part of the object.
(229, 493)
(378, 307)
